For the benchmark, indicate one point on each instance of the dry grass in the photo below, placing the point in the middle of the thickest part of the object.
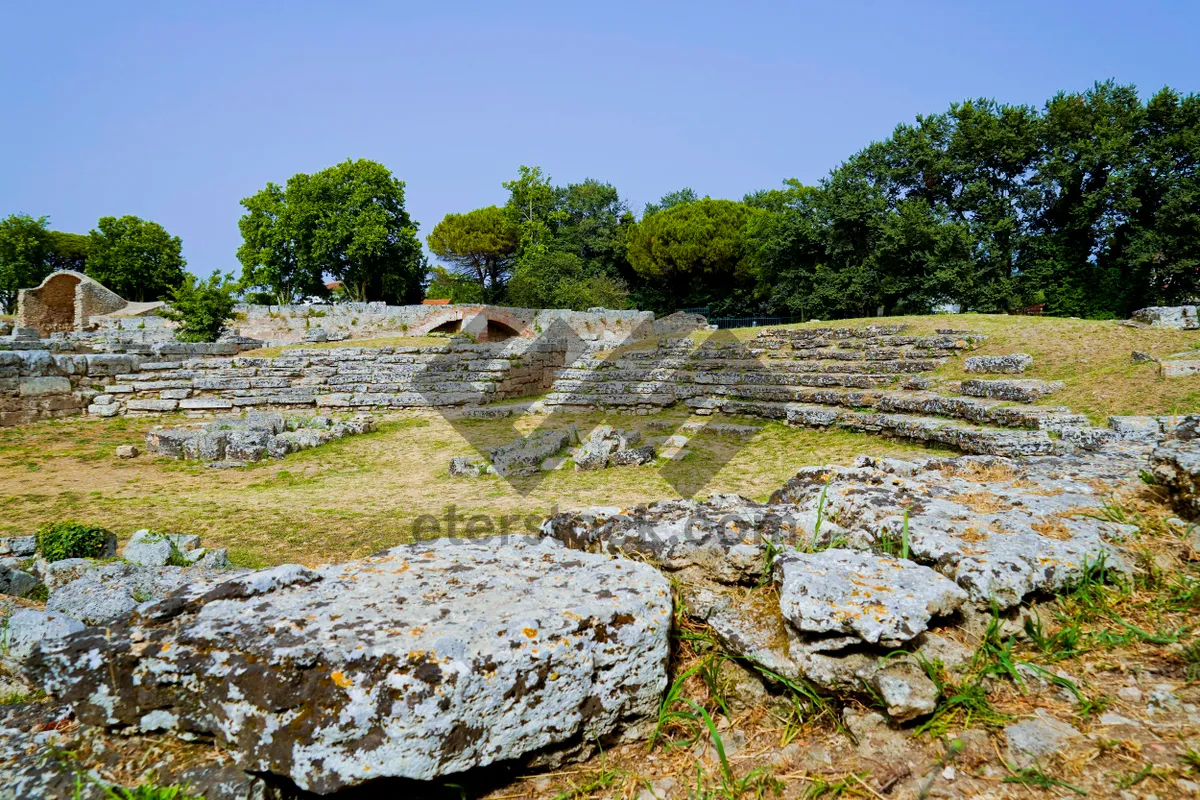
(1092, 357)
(362, 494)
(981, 502)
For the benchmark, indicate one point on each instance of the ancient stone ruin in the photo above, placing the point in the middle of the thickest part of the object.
(431, 663)
(236, 441)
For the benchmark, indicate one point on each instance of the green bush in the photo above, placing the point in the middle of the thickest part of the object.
(59, 540)
(202, 307)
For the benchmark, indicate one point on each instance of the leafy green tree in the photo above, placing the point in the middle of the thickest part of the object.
(347, 222)
(24, 256)
(203, 308)
(135, 258)
(1081, 197)
(532, 208)
(670, 200)
(364, 237)
(479, 244)
(559, 279)
(68, 250)
(696, 251)
(276, 251)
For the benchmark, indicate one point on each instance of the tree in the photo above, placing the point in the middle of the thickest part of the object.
(276, 243)
(558, 279)
(68, 250)
(479, 244)
(532, 208)
(453, 286)
(696, 251)
(364, 237)
(347, 222)
(24, 256)
(670, 200)
(202, 307)
(135, 258)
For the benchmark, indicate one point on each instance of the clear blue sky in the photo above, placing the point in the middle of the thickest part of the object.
(173, 111)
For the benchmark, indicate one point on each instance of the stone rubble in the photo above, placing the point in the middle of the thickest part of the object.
(523, 457)
(608, 447)
(258, 435)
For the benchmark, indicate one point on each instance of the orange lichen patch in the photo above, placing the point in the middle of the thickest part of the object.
(973, 536)
(985, 473)
(530, 632)
(340, 679)
(981, 502)
(1054, 527)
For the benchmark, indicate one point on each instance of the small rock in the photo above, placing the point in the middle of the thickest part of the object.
(1130, 694)
(882, 600)
(22, 546)
(1139, 357)
(906, 689)
(156, 549)
(1033, 739)
(127, 451)
(25, 627)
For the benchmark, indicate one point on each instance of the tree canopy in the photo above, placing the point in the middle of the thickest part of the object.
(346, 222)
(697, 251)
(24, 255)
(480, 245)
(135, 258)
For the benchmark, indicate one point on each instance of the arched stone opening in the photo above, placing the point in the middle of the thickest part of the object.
(498, 331)
(449, 326)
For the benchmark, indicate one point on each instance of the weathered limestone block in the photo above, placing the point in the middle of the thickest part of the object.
(152, 549)
(880, 600)
(1175, 464)
(104, 409)
(726, 537)
(467, 466)
(1177, 317)
(525, 456)
(44, 386)
(424, 661)
(151, 405)
(106, 592)
(1009, 363)
(26, 627)
(169, 442)
(1000, 541)
(16, 581)
(22, 546)
(1025, 390)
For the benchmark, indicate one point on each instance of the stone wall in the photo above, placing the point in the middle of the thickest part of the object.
(289, 324)
(458, 373)
(36, 384)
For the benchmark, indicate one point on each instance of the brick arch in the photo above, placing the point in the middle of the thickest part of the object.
(482, 322)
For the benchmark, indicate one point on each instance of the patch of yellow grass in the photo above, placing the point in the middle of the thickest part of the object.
(365, 493)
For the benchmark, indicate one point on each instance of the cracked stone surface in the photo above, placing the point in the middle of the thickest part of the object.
(726, 536)
(880, 600)
(105, 593)
(423, 661)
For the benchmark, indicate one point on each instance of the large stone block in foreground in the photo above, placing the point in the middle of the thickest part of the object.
(424, 661)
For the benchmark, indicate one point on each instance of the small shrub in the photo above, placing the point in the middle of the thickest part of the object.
(59, 540)
(202, 307)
